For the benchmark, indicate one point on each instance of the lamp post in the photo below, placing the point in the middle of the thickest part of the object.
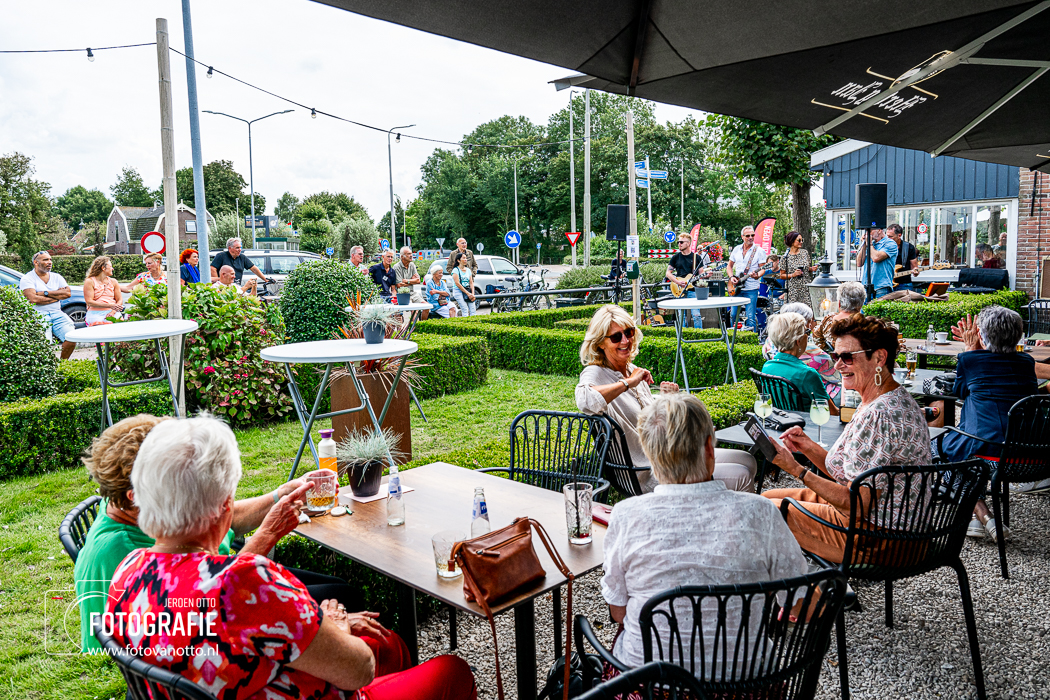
(251, 176)
(390, 163)
(572, 177)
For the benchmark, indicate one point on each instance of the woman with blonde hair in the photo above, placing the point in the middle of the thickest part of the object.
(101, 293)
(611, 384)
(154, 273)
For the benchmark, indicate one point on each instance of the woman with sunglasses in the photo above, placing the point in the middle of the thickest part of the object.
(612, 385)
(889, 427)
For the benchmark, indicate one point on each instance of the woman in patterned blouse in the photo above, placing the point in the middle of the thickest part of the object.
(888, 428)
(796, 268)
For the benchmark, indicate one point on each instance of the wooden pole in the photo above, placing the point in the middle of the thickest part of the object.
(171, 212)
(635, 286)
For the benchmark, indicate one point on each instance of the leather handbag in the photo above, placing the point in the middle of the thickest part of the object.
(500, 563)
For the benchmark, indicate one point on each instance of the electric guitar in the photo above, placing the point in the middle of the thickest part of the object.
(731, 288)
(901, 275)
(679, 292)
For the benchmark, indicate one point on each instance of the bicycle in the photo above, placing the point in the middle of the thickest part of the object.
(524, 283)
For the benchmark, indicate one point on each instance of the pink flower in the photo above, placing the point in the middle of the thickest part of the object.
(209, 370)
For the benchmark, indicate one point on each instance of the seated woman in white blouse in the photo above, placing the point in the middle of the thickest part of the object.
(611, 385)
(690, 531)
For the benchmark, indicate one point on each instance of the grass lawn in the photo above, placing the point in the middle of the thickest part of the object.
(34, 569)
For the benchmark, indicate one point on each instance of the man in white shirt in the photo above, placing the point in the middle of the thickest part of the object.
(745, 265)
(46, 290)
(227, 278)
(357, 259)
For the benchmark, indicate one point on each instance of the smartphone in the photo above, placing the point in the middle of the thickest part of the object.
(757, 433)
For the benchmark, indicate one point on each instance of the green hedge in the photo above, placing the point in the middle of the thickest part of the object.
(914, 318)
(77, 375)
(27, 359)
(74, 268)
(453, 365)
(742, 337)
(48, 434)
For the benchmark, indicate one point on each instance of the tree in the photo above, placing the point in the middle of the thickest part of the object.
(337, 205)
(81, 204)
(315, 230)
(383, 227)
(357, 230)
(25, 204)
(223, 186)
(130, 191)
(775, 154)
(284, 210)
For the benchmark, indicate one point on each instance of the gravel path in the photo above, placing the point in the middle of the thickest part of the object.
(925, 655)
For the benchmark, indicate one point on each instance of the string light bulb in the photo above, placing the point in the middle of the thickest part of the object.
(470, 149)
(210, 74)
(398, 139)
(91, 56)
(313, 113)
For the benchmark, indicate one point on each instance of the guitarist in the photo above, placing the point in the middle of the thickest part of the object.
(907, 258)
(684, 267)
(745, 266)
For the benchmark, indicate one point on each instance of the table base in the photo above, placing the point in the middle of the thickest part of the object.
(102, 361)
(679, 324)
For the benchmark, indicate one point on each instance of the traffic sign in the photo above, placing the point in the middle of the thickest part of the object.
(384, 243)
(573, 236)
(641, 172)
(329, 251)
(639, 164)
(670, 236)
(922, 228)
(512, 239)
(152, 242)
(538, 246)
(480, 247)
(441, 242)
(658, 174)
(642, 183)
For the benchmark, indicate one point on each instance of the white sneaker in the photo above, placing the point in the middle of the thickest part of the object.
(1031, 487)
(990, 529)
(975, 529)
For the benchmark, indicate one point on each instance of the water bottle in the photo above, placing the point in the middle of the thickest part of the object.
(395, 507)
(479, 524)
(931, 338)
(326, 451)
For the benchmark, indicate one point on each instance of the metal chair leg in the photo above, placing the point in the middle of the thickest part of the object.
(889, 603)
(840, 629)
(453, 629)
(1000, 542)
(971, 628)
(556, 615)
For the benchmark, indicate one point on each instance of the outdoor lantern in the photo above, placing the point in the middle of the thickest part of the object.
(824, 292)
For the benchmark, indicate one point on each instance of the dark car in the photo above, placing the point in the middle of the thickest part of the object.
(74, 306)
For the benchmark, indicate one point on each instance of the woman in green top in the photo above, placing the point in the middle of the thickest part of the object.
(115, 532)
(788, 333)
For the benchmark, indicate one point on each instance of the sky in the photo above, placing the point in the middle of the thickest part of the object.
(83, 121)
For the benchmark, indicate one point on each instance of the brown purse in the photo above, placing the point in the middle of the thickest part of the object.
(502, 562)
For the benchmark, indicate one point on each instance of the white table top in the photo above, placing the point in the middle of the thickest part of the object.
(346, 350)
(399, 308)
(132, 330)
(709, 303)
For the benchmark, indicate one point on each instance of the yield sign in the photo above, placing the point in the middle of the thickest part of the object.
(573, 236)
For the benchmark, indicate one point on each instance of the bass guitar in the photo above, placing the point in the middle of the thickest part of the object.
(901, 275)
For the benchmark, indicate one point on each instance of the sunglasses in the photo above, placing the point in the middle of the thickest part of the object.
(619, 335)
(749, 235)
(847, 357)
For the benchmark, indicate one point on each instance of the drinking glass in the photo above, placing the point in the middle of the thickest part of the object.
(912, 360)
(763, 406)
(1020, 346)
(323, 495)
(578, 511)
(443, 543)
(820, 414)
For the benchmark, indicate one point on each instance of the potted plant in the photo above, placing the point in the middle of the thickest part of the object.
(362, 456)
(374, 320)
(700, 287)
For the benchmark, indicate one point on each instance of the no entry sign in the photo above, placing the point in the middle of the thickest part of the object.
(573, 236)
(152, 242)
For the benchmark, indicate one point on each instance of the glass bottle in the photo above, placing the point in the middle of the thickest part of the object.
(395, 507)
(479, 523)
(931, 338)
(326, 451)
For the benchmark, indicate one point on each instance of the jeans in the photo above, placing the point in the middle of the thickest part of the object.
(698, 320)
(57, 319)
(881, 292)
(752, 306)
(466, 308)
(905, 286)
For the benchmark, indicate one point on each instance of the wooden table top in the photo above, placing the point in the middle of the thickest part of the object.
(442, 500)
(952, 348)
(830, 431)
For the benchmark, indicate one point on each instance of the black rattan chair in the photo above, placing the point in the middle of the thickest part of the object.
(74, 528)
(619, 467)
(917, 526)
(658, 680)
(762, 654)
(146, 681)
(1039, 316)
(1025, 456)
(786, 396)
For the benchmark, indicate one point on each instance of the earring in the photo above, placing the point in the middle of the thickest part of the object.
(878, 376)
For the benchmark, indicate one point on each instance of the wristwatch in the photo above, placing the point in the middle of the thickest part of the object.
(47, 293)
(626, 386)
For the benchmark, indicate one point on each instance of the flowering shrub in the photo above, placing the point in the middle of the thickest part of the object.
(224, 371)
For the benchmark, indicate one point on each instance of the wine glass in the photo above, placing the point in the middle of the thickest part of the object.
(763, 406)
(820, 414)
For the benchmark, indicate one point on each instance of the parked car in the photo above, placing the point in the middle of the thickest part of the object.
(492, 270)
(276, 264)
(74, 306)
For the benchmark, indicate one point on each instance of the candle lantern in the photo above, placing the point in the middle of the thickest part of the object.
(824, 292)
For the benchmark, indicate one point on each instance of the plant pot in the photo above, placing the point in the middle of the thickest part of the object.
(373, 332)
(404, 298)
(364, 479)
(397, 418)
(701, 292)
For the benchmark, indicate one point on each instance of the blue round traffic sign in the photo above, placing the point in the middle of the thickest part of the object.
(670, 236)
(512, 239)
(385, 243)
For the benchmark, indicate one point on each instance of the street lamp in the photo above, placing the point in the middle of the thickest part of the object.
(572, 176)
(251, 175)
(390, 163)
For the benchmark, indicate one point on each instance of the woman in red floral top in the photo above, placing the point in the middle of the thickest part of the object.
(242, 627)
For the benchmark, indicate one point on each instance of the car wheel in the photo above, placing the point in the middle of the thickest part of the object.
(77, 312)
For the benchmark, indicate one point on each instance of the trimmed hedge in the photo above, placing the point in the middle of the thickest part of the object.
(315, 294)
(914, 318)
(49, 434)
(742, 337)
(75, 267)
(27, 359)
(453, 365)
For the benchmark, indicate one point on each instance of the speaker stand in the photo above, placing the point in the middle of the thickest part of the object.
(616, 282)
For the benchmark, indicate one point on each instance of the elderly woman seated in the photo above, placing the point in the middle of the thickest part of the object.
(888, 428)
(690, 530)
(115, 532)
(266, 636)
(851, 301)
(787, 332)
(813, 355)
(610, 384)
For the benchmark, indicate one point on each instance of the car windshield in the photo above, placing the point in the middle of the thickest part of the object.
(501, 266)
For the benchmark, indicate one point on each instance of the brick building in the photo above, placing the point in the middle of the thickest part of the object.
(1033, 232)
(126, 226)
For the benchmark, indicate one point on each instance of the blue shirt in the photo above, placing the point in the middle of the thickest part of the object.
(384, 278)
(882, 272)
(432, 298)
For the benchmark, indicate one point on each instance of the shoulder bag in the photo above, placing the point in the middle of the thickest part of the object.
(502, 562)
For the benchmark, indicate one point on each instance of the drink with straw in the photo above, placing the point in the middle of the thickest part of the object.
(820, 414)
